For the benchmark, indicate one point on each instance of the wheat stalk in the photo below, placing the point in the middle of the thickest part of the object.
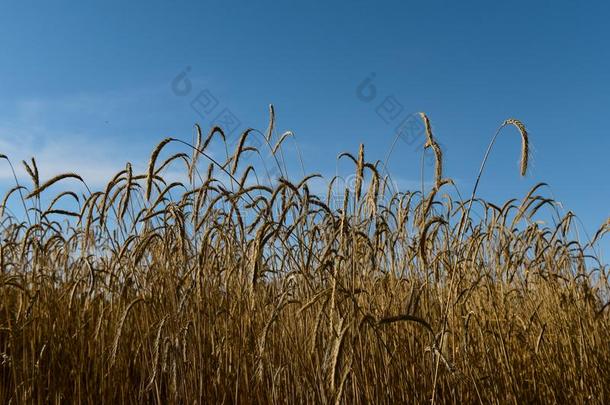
(117, 338)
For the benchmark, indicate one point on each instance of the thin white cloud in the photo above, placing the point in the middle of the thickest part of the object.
(95, 160)
(71, 134)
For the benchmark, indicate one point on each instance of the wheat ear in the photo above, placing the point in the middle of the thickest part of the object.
(438, 153)
(524, 142)
(151, 165)
(52, 181)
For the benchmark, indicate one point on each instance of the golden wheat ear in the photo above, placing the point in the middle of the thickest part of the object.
(196, 150)
(52, 181)
(438, 153)
(271, 126)
(151, 165)
(524, 142)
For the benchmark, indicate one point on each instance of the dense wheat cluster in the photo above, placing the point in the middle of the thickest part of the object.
(235, 286)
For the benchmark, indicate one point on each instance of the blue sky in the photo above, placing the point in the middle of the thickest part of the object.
(86, 87)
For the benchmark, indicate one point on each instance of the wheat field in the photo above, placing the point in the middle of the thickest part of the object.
(230, 286)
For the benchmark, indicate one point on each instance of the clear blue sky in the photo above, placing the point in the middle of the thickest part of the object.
(86, 87)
